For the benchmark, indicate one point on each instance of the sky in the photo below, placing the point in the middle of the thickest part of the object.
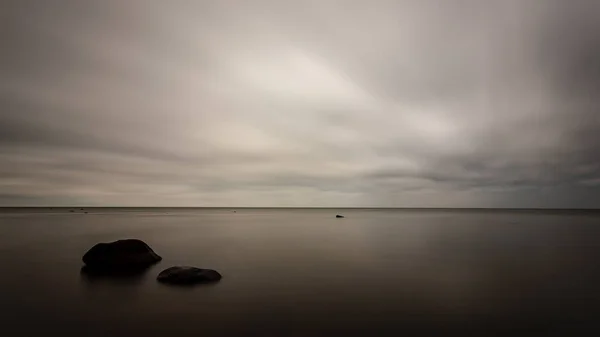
(374, 103)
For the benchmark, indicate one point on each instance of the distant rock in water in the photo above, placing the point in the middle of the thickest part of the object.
(121, 254)
(339, 216)
(184, 275)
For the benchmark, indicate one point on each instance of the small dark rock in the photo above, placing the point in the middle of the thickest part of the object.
(339, 216)
(121, 254)
(184, 275)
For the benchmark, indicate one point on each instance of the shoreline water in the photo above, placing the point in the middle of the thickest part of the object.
(290, 272)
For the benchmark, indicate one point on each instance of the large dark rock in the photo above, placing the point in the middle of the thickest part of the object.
(120, 255)
(184, 275)
(339, 216)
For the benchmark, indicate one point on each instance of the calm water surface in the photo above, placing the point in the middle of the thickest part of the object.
(302, 272)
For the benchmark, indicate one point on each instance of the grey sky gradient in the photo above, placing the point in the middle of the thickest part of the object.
(300, 103)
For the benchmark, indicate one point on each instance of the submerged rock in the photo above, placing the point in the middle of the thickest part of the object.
(184, 275)
(121, 254)
(339, 216)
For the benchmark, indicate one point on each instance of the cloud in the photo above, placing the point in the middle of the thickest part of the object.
(314, 103)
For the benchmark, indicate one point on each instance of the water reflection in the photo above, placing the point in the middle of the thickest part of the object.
(115, 276)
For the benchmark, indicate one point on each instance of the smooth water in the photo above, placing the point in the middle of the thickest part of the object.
(302, 272)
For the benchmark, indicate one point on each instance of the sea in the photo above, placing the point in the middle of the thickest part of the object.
(304, 272)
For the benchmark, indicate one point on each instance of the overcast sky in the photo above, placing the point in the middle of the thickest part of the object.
(300, 103)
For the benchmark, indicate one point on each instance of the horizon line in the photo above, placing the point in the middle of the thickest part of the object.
(316, 207)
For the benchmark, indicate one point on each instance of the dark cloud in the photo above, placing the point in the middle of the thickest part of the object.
(315, 103)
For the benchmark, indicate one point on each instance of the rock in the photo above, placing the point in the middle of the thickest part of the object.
(339, 216)
(121, 254)
(184, 275)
